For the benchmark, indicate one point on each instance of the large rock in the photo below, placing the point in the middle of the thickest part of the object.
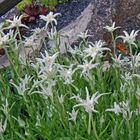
(126, 13)
(101, 16)
(126, 9)
(99, 13)
(74, 28)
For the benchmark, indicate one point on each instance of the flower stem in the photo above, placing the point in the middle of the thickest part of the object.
(129, 130)
(131, 54)
(114, 44)
(94, 130)
(89, 123)
(20, 38)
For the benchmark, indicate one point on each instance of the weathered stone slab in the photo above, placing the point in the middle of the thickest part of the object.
(101, 16)
(99, 13)
(126, 13)
(74, 28)
(1, 1)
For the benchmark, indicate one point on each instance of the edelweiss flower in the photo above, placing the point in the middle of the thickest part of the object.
(125, 107)
(122, 108)
(47, 72)
(22, 59)
(22, 87)
(40, 32)
(119, 61)
(66, 74)
(94, 49)
(67, 33)
(47, 60)
(61, 98)
(16, 22)
(4, 39)
(36, 66)
(75, 50)
(112, 28)
(130, 39)
(73, 115)
(50, 18)
(123, 87)
(106, 66)
(88, 103)
(127, 77)
(47, 91)
(77, 98)
(31, 42)
(87, 66)
(84, 35)
(116, 109)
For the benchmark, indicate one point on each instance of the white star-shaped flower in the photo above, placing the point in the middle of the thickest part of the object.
(16, 22)
(49, 18)
(111, 28)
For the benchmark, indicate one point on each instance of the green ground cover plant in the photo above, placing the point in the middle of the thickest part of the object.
(51, 4)
(79, 94)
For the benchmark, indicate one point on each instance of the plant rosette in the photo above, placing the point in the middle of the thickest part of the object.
(32, 12)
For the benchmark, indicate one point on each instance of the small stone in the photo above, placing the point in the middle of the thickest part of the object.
(138, 16)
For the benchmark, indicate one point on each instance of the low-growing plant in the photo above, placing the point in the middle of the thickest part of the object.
(51, 4)
(21, 5)
(74, 95)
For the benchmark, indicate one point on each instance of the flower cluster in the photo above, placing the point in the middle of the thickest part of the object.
(49, 95)
(122, 108)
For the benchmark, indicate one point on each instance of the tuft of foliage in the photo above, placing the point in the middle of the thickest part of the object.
(21, 5)
(51, 4)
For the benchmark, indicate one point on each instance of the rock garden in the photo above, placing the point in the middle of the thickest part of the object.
(70, 70)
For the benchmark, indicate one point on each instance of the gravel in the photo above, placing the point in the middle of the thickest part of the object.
(70, 11)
